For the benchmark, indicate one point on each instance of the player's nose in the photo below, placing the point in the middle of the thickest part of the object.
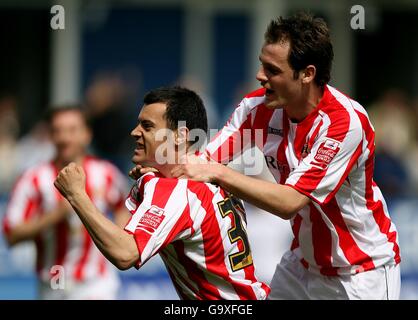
(136, 132)
(261, 75)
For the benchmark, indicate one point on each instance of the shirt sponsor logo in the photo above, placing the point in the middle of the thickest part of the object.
(325, 153)
(278, 132)
(151, 219)
(283, 168)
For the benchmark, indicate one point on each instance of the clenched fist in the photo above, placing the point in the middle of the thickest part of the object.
(71, 180)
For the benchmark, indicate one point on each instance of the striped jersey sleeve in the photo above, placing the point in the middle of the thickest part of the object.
(160, 217)
(24, 201)
(335, 151)
(238, 133)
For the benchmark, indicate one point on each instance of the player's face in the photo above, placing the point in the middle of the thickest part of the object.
(276, 75)
(149, 134)
(70, 135)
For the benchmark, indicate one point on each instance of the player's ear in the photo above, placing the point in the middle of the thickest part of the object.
(308, 75)
(181, 135)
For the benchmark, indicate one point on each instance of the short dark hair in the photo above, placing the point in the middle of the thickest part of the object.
(309, 41)
(55, 110)
(182, 105)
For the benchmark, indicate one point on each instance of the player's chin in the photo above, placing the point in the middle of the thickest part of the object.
(271, 101)
(68, 156)
(137, 159)
(273, 104)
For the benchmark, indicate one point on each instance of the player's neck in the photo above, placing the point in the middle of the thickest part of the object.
(301, 108)
(60, 163)
(166, 169)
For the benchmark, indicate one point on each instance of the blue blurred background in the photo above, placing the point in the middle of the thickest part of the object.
(112, 52)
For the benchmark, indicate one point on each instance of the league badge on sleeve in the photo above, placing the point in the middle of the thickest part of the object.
(325, 153)
(331, 144)
(151, 219)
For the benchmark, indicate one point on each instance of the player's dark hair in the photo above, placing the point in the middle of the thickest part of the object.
(55, 110)
(182, 105)
(309, 40)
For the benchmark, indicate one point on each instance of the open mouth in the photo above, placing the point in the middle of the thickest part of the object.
(139, 146)
(269, 91)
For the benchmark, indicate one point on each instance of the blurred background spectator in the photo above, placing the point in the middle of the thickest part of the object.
(412, 158)
(37, 213)
(9, 133)
(111, 116)
(393, 119)
(34, 147)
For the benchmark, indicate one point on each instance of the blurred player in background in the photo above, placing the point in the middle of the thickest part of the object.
(36, 211)
(319, 145)
(198, 229)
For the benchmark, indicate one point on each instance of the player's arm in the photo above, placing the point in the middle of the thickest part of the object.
(116, 245)
(28, 230)
(122, 217)
(280, 200)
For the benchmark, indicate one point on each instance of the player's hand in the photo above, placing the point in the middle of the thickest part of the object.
(196, 168)
(71, 181)
(137, 171)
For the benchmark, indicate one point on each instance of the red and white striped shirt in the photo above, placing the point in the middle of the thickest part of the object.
(200, 233)
(67, 243)
(329, 157)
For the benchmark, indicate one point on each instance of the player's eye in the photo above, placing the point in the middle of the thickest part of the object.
(146, 125)
(272, 70)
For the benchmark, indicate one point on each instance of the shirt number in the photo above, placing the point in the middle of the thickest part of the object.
(231, 206)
